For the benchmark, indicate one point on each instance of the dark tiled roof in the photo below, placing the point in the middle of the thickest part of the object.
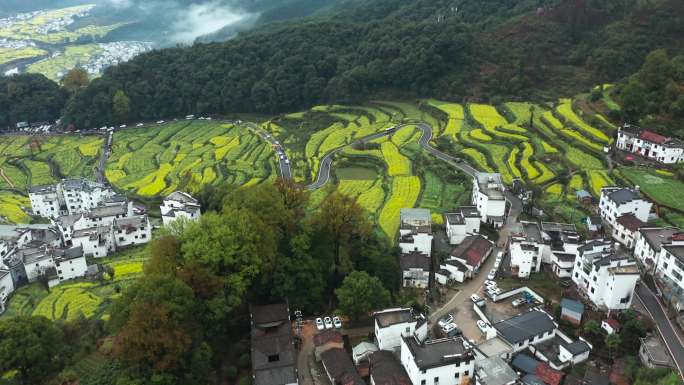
(339, 365)
(577, 347)
(458, 265)
(181, 196)
(630, 222)
(414, 260)
(656, 236)
(269, 314)
(327, 336)
(524, 363)
(273, 354)
(396, 316)
(473, 249)
(623, 195)
(525, 326)
(677, 251)
(438, 353)
(386, 369)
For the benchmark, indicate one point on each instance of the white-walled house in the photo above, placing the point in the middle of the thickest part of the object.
(393, 324)
(488, 197)
(70, 196)
(648, 242)
(96, 242)
(134, 230)
(177, 205)
(525, 248)
(6, 288)
(606, 276)
(415, 269)
(70, 263)
(528, 328)
(465, 221)
(441, 361)
(465, 260)
(415, 231)
(616, 201)
(625, 229)
(58, 264)
(670, 270)
(650, 145)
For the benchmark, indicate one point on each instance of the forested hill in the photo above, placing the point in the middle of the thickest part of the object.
(484, 50)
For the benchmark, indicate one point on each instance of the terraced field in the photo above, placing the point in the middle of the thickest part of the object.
(33, 160)
(185, 155)
(74, 299)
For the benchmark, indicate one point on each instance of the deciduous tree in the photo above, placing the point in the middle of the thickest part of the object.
(360, 293)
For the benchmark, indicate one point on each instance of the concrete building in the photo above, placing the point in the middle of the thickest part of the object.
(6, 288)
(462, 223)
(648, 242)
(393, 324)
(604, 275)
(415, 268)
(177, 205)
(442, 361)
(273, 354)
(654, 354)
(494, 371)
(650, 145)
(134, 230)
(466, 259)
(415, 231)
(525, 248)
(70, 196)
(670, 272)
(616, 201)
(525, 329)
(625, 229)
(488, 197)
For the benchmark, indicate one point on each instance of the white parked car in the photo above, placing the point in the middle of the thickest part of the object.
(445, 320)
(495, 290)
(160, 121)
(482, 326)
(319, 324)
(449, 327)
(518, 302)
(122, 126)
(490, 283)
(287, 161)
(337, 322)
(492, 275)
(475, 298)
(139, 125)
(328, 322)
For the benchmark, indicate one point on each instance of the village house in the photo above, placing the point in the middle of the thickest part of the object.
(177, 205)
(415, 268)
(415, 231)
(488, 197)
(385, 369)
(468, 256)
(670, 272)
(440, 361)
(494, 371)
(625, 229)
(6, 288)
(70, 196)
(132, 231)
(525, 248)
(611, 325)
(393, 324)
(605, 276)
(273, 355)
(648, 242)
(616, 201)
(339, 368)
(650, 145)
(465, 221)
(55, 263)
(572, 311)
(527, 328)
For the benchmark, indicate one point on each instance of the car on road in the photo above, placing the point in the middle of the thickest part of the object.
(337, 322)
(139, 125)
(445, 320)
(482, 326)
(287, 161)
(328, 322)
(475, 298)
(122, 126)
(319, 323)
(282, 157)
(499, 256)
(492, 275)
(450, 328)
(160, 121)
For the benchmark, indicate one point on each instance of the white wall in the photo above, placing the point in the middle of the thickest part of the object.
(389, 338)
(34, 269)
(73, 268)
(421, 242)
(524, 259)
(446, 373)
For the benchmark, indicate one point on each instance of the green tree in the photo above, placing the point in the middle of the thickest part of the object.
(32, 346)
(75, 80)
(158, 322)
(121, 106)
(612, 343)
(360, 293)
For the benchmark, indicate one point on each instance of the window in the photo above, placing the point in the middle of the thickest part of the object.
(273, 358)
(423, 382)
(457, 375)
(467, 372)
(436, 381)
(592, 290)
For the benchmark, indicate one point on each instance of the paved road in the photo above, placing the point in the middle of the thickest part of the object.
(283, 161)
(667, 329)
(106, 150)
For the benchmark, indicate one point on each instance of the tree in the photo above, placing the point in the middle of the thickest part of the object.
(592, 327)
(360, 293)
(75, 80)
(32, 346)
(158, 321)
(121, 106)
(612, 342)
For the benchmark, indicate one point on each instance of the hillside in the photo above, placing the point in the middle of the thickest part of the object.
(383, 48)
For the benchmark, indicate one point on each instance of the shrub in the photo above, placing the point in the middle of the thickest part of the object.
(243, 361)
(231, 372)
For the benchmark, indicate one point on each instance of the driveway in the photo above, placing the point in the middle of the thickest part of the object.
(667, 329)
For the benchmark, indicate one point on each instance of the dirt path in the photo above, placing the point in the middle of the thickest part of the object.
(8, 180)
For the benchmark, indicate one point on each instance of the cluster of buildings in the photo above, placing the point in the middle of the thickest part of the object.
(650, 145)
(87, 219)
(114, 53)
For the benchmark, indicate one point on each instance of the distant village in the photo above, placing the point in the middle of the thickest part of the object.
(87, 221)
